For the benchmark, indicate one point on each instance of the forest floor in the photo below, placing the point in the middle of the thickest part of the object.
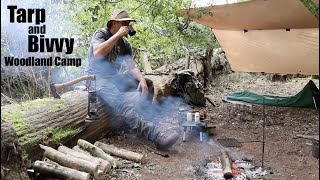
(285, 156)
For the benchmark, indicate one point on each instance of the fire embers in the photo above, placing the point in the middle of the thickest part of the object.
(241, 170)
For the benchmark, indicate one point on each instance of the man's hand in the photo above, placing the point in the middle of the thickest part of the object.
(123, 31)
(143, 86)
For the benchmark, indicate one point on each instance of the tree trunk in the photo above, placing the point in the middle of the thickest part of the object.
(207, 70)
(50, 122)
(59, 171)
(187, 61)
(145, 62)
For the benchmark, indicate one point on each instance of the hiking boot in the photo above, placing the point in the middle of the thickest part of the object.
(165, 139)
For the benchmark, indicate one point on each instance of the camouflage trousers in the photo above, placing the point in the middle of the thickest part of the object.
(111, 91)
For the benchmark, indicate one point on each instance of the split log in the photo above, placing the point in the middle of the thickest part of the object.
(104, 165)
(226, 164)
(96, 151)
(59, 171)
(123, 153)
(77, 148)
(72, 162)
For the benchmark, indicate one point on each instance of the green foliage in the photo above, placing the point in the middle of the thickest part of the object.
(161, 30)
(312, 7)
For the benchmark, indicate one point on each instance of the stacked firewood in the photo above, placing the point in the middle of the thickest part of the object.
(84, 161)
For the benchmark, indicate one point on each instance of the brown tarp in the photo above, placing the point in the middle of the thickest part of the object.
(272, 36)
(272, 51)
(258, 14)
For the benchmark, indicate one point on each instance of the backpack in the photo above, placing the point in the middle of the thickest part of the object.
(189, 88)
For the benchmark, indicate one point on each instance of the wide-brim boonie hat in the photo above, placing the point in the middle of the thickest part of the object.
(119, 15)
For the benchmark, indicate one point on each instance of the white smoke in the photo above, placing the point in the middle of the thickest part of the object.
(58, 24)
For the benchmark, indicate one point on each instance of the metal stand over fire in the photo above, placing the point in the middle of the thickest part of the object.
(231, 142)
(190, 125)
(263, 133)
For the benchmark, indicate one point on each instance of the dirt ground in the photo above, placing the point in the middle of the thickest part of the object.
(286, 156)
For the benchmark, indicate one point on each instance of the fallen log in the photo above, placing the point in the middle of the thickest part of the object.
(96, 151)
(72, 162)
(123, 153)
(104, 165)
(58, 121)
(59, 171)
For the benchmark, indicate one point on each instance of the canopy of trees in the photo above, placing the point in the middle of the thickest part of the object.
(162, 34)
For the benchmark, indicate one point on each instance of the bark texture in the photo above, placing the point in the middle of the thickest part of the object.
(104, 165)
(123, 153)
(70, 161)
(48, 123)
(59, 171)
(96, 151)
(12, 163)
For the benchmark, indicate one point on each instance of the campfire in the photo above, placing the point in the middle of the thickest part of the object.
(240, 170)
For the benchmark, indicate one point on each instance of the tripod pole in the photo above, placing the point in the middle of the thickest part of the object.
(263, 132)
